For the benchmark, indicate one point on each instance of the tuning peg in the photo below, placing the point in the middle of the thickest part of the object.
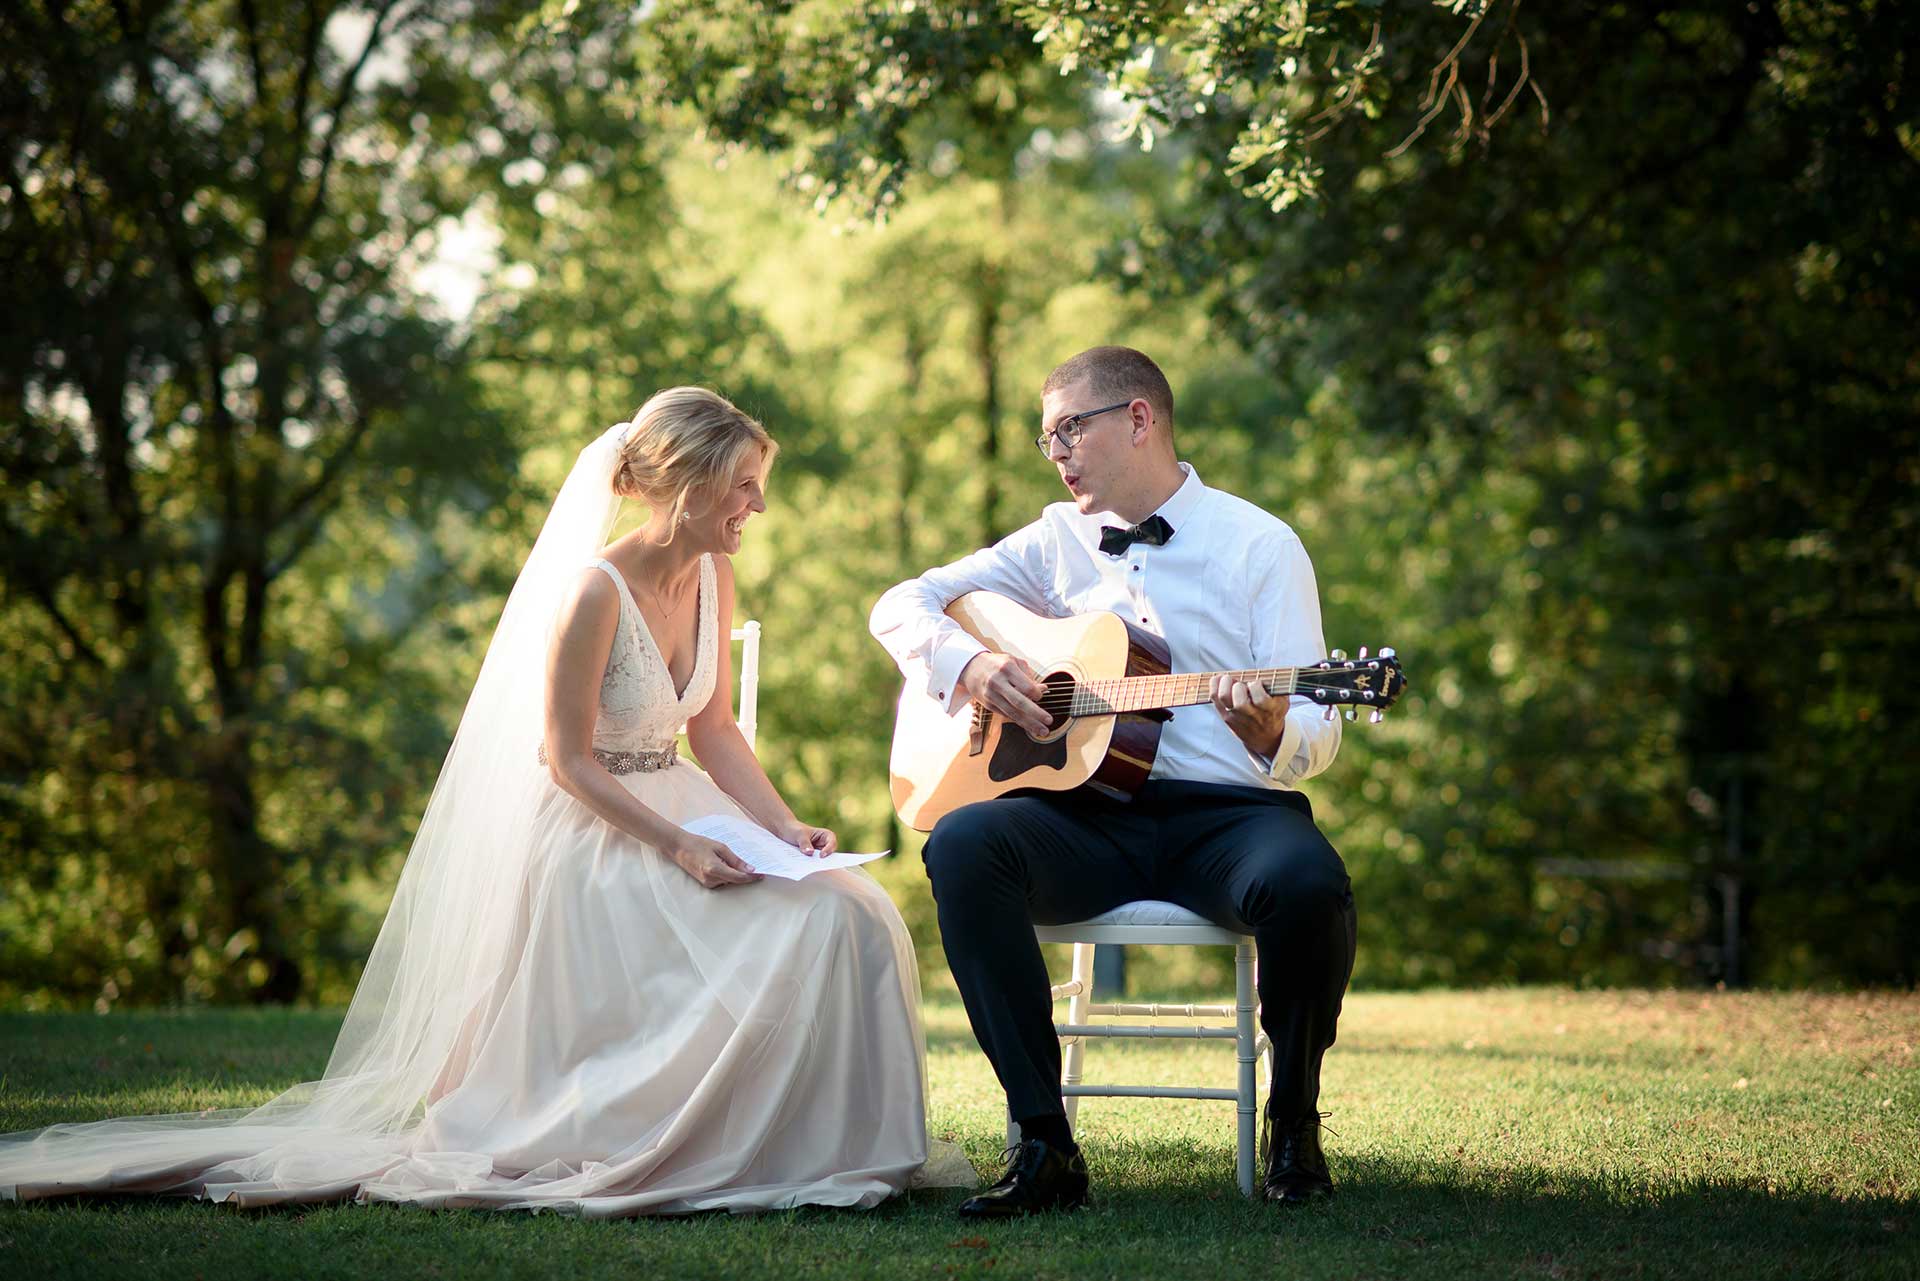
(1352, 714)
(1332, 712)
(1363, 651)
(1339, 655)
(1386, 652)
(1377, 717)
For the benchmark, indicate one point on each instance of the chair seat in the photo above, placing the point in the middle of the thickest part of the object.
(1144, 921)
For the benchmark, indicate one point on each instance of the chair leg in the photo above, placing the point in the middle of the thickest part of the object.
(1243, 1040)
(1076, 1047)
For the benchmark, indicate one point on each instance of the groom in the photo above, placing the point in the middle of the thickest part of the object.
(1219, 828)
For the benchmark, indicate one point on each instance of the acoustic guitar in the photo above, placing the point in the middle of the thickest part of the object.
(1109, 688)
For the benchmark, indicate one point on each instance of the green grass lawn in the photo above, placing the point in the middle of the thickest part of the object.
(1513, 1133)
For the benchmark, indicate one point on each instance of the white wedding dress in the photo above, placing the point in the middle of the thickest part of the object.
(622, 1042)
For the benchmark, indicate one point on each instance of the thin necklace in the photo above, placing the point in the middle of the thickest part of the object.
(667, 611)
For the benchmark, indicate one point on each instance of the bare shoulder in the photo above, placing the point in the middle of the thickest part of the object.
(592, 602)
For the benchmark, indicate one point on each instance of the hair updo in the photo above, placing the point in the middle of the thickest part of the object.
(685, 440)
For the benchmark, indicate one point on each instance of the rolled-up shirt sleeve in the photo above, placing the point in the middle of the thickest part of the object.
(910, 620)
(1285, 628)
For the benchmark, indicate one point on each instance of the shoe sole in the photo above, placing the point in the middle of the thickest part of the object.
(1058, 1207)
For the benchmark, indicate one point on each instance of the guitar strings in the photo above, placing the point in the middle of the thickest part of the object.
(1328, 680)
(1063, 699)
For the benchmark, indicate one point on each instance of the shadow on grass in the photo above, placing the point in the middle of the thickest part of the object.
(1161, 1209)
(1403, 1218)
(79, 1060)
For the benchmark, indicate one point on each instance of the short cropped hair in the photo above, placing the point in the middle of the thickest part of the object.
(683, 441)
(1114, 372)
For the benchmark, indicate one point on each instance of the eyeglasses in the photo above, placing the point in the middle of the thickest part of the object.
(1068, 430)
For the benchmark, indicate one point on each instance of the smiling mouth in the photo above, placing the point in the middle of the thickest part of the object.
(737, 524)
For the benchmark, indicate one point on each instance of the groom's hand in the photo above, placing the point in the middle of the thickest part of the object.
(1004, 684)
(1257, 717)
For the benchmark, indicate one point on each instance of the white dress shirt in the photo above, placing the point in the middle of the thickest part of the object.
(1232, 589)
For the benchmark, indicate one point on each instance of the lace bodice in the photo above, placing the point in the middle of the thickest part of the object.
(639, 710)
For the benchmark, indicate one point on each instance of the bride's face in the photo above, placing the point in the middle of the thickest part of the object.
(718, 525)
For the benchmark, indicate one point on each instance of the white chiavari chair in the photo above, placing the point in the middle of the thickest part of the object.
(1159, 924)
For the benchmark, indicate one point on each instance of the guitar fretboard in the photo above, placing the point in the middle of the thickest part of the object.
(1177, 689)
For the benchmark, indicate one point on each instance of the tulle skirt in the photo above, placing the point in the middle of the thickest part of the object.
(645, 1046)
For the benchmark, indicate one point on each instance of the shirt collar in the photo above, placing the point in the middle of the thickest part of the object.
(1179, 509)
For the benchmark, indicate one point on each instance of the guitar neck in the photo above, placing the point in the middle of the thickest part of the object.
(1182, 689)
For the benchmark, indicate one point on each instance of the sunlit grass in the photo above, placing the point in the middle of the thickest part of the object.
(1508, 1133)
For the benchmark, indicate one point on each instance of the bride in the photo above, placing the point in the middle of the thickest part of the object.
(574, 1003)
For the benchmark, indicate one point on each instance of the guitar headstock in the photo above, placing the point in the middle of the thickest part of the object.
(1353, 683)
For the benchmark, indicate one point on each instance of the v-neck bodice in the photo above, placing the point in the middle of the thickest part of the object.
(639, 708)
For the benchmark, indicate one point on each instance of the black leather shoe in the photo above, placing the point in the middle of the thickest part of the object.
(1296, 1169)
(1039, 1177)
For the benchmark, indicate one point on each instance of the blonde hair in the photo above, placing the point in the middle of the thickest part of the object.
(684, 440)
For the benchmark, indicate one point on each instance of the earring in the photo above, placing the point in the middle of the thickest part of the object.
(685, 517)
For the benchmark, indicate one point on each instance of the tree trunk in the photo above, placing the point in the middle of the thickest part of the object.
(249, 865)
(245, 862)
(988, 300)
(914, 358)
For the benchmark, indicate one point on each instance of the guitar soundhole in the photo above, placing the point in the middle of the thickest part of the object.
(1056, 701)
(1017, 751)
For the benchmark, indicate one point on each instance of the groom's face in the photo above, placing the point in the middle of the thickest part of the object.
(1096, 467)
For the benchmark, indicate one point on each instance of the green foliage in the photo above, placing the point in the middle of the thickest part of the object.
(840, 87)
(1681, 319)
(1599, 325)
(256, 484)
(1576, 344)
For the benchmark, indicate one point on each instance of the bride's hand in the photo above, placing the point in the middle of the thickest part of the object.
(711, 863)
(814, 841)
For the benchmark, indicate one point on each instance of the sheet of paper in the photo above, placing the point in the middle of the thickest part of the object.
(768, 854)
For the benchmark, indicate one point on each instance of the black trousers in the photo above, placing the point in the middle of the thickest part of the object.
(1246, 858)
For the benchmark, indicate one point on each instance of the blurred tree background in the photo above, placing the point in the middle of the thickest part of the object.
(1577, 342)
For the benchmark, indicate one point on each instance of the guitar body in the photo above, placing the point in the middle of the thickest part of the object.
(944, 760)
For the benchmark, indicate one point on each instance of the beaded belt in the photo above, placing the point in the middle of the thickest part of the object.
(644, 762)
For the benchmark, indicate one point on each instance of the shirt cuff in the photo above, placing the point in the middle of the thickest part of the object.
(943, 673)
(1281, 767)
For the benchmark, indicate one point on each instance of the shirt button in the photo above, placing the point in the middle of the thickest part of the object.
(1136, 569)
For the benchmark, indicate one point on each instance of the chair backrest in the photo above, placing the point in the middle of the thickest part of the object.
(748, 713)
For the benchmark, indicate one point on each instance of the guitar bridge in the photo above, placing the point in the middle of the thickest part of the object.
(977, 738)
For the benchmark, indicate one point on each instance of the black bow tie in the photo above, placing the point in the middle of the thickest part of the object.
(1153, 531)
